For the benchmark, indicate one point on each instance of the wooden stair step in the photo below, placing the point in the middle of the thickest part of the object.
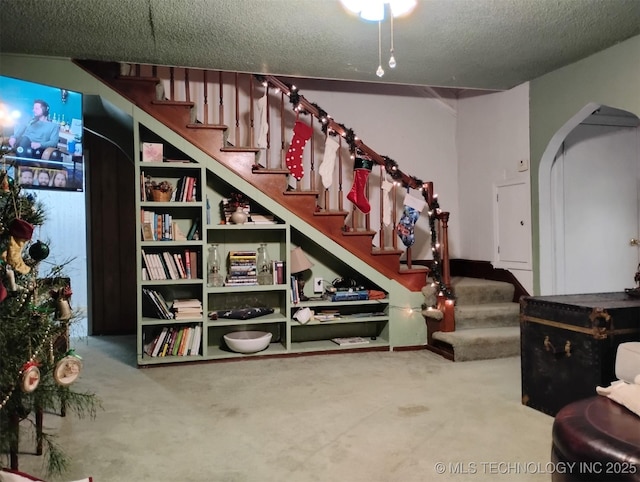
(301, 193)
(180, 103)
(131, 78)
(258, 169)
(330, 212)
(220, 127)
(239, 149)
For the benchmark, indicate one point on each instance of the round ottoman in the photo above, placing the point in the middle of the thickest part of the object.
(596, 439)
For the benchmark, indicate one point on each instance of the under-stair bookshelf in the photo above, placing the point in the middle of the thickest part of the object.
(173, 266)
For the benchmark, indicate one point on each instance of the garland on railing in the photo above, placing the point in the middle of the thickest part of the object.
(391, 167)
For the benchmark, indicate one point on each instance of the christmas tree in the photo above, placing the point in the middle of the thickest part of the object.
(37, 364)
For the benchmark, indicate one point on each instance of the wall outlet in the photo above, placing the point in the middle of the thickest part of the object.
(523, 165)
(318, 285)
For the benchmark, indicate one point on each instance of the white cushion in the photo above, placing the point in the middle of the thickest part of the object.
(628, 361)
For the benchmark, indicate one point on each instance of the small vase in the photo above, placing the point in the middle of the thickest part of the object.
(238, 216)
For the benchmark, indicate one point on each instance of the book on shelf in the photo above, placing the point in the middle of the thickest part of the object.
(191, 263)
(261, 219)
(184, 309)
(295, 295)
(194, 232)
(350, 341)
(187, 303)
(356, 295)
(278, 272)
(154, 305)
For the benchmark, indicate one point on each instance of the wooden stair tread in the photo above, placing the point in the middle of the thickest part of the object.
(301, 193)
(221, 127)
(132, 78)
(404, 270)
(356, 232)
(331, 213)
(173, 102)
(271, 170)
(239, 149)
(386, 251)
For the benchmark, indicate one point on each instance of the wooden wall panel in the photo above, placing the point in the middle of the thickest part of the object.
(111, 247)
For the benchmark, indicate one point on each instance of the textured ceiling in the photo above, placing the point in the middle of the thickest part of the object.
(479, 44)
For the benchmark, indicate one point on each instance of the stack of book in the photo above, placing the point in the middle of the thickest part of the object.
(176, 341)
(242, 269)
(186, 308)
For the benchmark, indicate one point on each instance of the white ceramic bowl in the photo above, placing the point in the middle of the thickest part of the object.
(248, 341)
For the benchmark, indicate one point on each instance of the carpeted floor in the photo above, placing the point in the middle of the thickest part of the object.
(351, 417)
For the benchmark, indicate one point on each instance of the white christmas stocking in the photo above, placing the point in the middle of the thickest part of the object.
(263, 127)
(328, 161)
(386, 202)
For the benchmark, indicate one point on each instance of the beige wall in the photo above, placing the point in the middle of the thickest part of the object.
(610, 77)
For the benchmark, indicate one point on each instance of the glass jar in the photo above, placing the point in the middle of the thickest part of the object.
(263, 266)
(214, 277)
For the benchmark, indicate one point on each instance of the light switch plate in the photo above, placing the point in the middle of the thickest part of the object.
(318, 285)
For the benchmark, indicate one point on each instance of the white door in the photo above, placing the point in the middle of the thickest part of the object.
(513, 225)
(595, 184)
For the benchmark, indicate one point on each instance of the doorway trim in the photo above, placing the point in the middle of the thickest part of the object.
(548, 203)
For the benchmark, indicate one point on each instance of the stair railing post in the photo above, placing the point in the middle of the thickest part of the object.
(268, 107)
(251, 119)
(221, 99)
(444, 242)
(237, 113)
(205, 87)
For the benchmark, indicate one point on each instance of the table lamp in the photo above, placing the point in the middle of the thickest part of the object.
(299, 263)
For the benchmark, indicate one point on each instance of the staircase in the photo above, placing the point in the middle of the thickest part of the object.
(180, 116)
(487, 322)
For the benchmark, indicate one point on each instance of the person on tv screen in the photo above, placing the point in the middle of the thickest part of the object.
(26, 176)
(59, 179)
(32, 139)
(43, 178)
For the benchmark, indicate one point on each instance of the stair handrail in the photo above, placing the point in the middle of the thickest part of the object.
(440, 271)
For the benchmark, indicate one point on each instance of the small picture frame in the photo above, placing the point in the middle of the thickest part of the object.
(30, 379)
(152, 152)
(67, 370)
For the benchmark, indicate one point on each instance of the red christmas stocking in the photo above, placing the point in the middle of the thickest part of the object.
(301, 134)
(361, 170)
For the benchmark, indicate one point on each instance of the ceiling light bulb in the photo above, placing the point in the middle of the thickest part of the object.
(392, 61)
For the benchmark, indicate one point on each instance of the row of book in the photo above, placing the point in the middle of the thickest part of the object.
(176, 341)
(166, 265)
(154, 305)
(161, 227)
(186, 189)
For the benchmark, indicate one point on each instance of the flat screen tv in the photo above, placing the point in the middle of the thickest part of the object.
(41, 134)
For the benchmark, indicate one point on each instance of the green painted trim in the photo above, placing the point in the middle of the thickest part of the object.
(610, 77)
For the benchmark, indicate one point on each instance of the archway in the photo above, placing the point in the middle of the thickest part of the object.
(563, 267)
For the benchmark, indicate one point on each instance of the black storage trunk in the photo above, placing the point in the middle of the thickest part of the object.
(568, 345)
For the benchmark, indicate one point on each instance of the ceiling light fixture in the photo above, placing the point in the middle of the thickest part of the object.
(375, 10)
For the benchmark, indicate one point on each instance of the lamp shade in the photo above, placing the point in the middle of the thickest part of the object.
(299, 261)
